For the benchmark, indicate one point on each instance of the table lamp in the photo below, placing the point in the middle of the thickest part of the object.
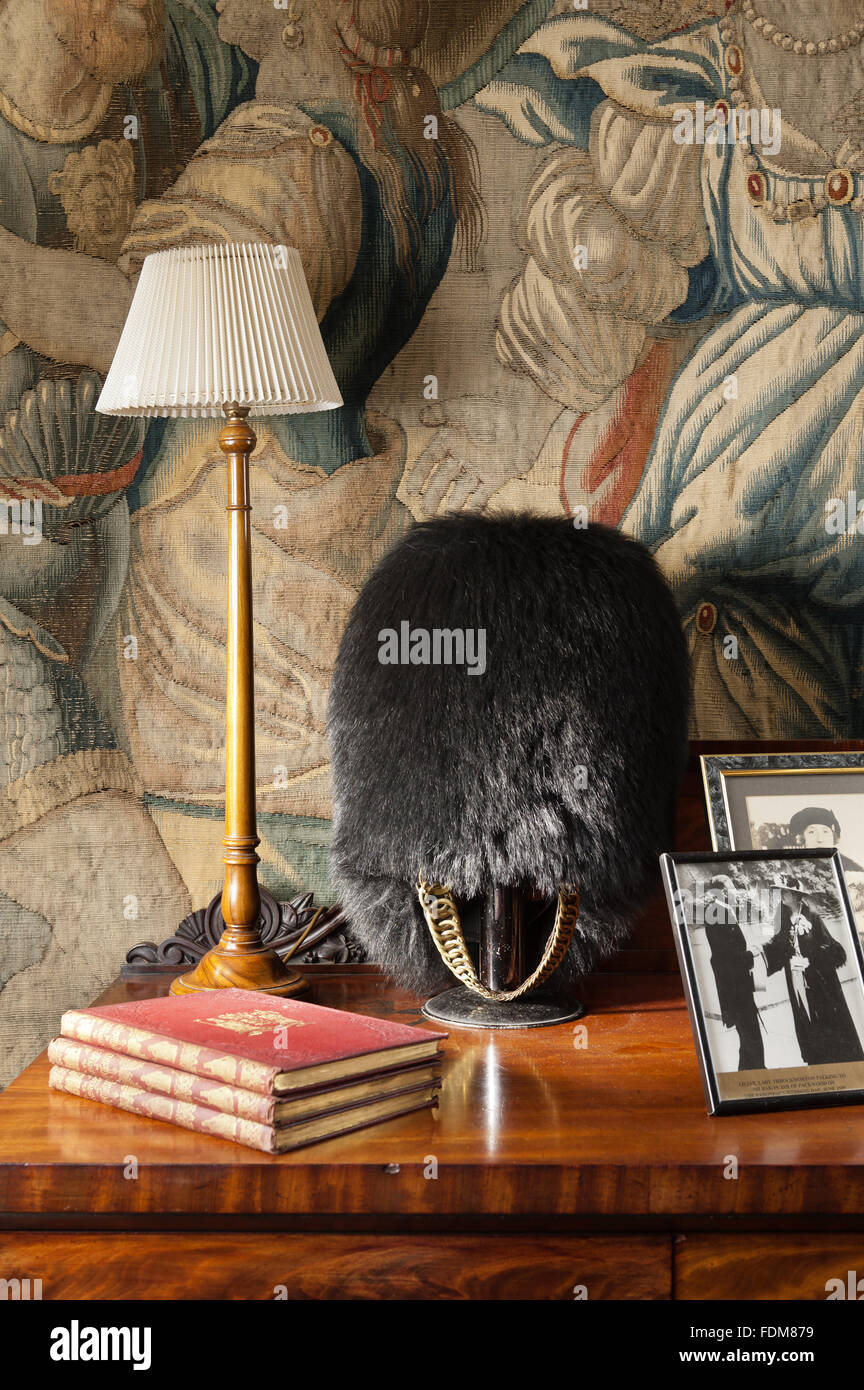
(213, 330)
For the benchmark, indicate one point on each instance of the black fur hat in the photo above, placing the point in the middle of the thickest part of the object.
(551, 754)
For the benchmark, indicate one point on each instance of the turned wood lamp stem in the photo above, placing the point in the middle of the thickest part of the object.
(241, 959)
(241, 900)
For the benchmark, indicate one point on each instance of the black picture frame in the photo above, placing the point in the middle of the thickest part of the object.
(824, 780)
(756, 1090)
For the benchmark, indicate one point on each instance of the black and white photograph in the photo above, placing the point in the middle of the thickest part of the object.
(772, 966)
(790, 801)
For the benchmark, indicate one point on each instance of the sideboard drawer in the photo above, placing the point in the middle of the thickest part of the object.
(309, 1266)
(762, 1265)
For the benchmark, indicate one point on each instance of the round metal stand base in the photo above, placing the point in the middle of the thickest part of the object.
(462, 1008)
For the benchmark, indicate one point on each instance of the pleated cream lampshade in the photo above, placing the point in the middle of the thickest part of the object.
(213, 326)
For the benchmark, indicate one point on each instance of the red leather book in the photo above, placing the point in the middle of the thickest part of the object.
(268, 1138)
(251, 1040)
(217, 1095)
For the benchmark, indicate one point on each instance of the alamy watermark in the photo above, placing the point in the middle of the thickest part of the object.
(21, 519)
(724, 125)
(77, 1343)
(845, 515)
(20, 1290)
(748, 909)
(440, 646)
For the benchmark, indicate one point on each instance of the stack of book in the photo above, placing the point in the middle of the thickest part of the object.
(270, 1073)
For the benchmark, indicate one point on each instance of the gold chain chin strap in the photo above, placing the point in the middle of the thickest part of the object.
(442, 919)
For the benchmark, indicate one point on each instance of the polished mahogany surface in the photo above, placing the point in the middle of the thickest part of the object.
(596, 1121)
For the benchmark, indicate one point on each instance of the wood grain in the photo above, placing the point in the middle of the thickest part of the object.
(758, 1266)
(241, 1266)
(530, 1127)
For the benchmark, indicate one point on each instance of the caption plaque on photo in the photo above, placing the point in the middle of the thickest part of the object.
(773, 972)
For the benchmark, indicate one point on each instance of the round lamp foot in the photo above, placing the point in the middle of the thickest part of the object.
(259, 970)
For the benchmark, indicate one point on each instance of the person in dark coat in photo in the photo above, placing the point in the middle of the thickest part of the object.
(804, 948)
(732, 963)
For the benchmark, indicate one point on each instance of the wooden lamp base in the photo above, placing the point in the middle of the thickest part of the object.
(258, 968)
(241, 960)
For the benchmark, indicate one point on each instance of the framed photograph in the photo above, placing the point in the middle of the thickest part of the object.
(773, 972)
(768, 801)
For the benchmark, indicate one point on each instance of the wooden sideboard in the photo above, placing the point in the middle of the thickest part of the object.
(558, 1161)
(562, 1162)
